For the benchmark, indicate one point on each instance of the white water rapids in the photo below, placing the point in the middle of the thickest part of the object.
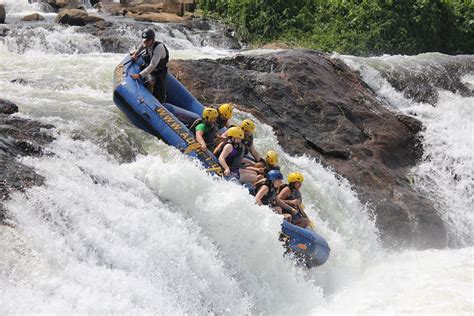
(157, 235)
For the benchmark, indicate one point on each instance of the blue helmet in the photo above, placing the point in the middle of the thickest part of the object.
(274, 175)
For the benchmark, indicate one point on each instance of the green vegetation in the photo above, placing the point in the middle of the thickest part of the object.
(359, 27)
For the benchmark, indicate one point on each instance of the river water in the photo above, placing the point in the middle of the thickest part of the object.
(126, 224)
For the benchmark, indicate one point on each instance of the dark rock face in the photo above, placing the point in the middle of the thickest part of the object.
(18, 137)
(76, 17)
(33, 17)
(318, 106)
(7, 107)
(2, 14)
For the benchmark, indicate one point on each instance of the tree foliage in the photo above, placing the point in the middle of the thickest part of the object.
(362, 27)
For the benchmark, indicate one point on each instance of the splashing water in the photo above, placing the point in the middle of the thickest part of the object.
(445, 173)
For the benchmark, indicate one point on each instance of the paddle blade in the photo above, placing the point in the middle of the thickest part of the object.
(192, 147)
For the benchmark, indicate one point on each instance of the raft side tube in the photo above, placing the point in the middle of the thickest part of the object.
(179, 96)
(147, 113)
(307, 244)
(187, 117)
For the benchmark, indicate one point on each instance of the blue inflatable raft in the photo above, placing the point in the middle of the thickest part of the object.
(169, 123)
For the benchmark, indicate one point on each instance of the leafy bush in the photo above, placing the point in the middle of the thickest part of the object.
(362, 27)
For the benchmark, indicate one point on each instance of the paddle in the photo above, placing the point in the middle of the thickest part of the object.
(214, 169)
(192, 147)
(300, 208)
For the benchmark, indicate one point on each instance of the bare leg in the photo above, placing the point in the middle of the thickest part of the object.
(277, 210)
(150, 85)
(301, 222)
(247, 176)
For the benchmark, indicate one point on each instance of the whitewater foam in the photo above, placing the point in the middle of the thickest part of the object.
(445, 173)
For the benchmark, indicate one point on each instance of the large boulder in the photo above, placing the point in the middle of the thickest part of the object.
(76, 17)
(2, 14)
(33, 17)
(158, 17)
(174, 7)
(66, 3)
(111, 8)
(144, 8)
(7, 107)
(319, 107)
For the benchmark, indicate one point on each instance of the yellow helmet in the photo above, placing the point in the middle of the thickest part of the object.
(271, 158)
(248, 125)
(226, 110)
(236, 132)
(209, 114)
(295, 177)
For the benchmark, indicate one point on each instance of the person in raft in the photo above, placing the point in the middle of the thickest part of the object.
(155, 69)
(259, 170)
(266, 193)
(233, 152)
(205, 129)
(248, 127)
(291, 195)
(225, 114)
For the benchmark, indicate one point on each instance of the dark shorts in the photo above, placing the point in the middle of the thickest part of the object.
(159, 89)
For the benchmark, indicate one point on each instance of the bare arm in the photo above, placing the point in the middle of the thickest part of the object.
(225, 152)
(260, 194)
(285, 206)
(200, 139)
(254, 153)
(158, 54)
(284, 194)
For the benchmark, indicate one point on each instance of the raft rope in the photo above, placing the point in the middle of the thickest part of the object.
(140, 97)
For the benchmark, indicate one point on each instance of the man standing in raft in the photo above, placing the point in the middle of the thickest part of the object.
(156, 59)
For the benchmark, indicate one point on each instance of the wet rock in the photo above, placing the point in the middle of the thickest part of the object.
(2, 14)
(158, 18)
(66, 3)
(318, 106)
(111, 8)
(173, 7)
(423, 85)
(20, 81)
(413, 125)
(46, 8)
(146, 8)
(18, 137)
(111, 35)
(4, 30)
(33, 17)
(115, 37)
(76, 17)
(72, 17)
(7, 107)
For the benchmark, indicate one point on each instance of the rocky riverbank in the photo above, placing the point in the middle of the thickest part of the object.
(319, 107)
(19, 137)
